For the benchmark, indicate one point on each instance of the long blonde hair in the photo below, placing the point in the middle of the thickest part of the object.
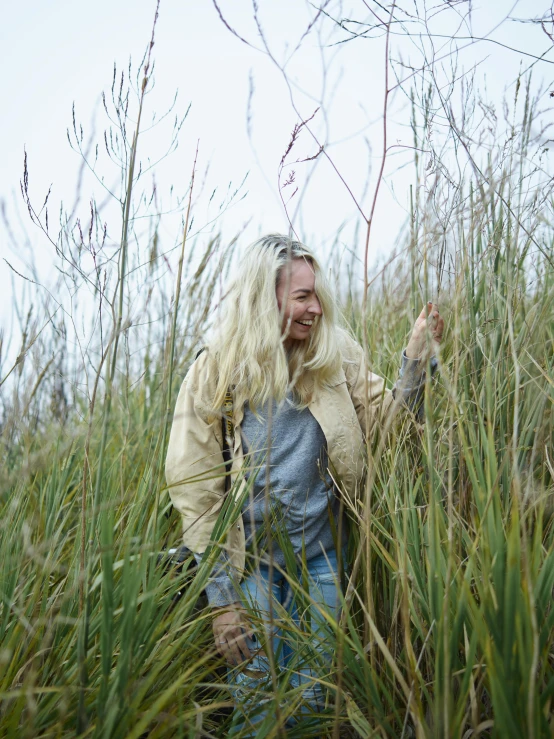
(248, 346)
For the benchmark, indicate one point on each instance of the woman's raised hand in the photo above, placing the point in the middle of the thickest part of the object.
(230, 631)
(426, 334)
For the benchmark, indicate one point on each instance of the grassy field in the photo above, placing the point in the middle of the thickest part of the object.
(448, 628)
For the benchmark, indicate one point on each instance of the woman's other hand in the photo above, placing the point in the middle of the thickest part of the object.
(426, 334)
(230, 632)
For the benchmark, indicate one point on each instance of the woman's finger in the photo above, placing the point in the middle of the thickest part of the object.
(233, 646)
(221, 647)
(434, 312)
(425, 311)
(234, 651)
(232, 654)
(242, 643)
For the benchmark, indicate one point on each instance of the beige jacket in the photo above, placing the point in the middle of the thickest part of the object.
(195, 444)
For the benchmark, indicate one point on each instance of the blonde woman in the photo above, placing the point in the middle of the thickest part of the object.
(302, 399)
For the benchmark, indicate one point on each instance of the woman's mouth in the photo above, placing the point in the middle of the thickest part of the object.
(307, 324)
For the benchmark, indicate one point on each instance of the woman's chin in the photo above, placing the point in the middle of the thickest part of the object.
(291, 340)
(300, 336)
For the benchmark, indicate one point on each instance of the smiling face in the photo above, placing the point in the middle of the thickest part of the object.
(297, 300)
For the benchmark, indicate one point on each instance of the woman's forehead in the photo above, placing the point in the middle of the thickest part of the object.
(299, 273)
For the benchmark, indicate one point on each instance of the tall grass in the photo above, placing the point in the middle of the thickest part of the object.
(455, 636)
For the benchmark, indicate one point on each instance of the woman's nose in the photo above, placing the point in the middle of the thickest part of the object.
(315, 307)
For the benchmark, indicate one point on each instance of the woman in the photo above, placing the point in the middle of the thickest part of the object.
(302, 401)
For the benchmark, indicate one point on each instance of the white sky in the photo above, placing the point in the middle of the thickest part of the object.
(59, 52)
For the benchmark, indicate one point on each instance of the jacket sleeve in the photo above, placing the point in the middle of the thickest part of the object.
(410, 386)
(220, 588)
(382, 402)
(379, 398)
(194, 462)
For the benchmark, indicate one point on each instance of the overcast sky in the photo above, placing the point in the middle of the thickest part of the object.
(57, 53)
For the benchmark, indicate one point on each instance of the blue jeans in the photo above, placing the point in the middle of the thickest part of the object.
(301, 655)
